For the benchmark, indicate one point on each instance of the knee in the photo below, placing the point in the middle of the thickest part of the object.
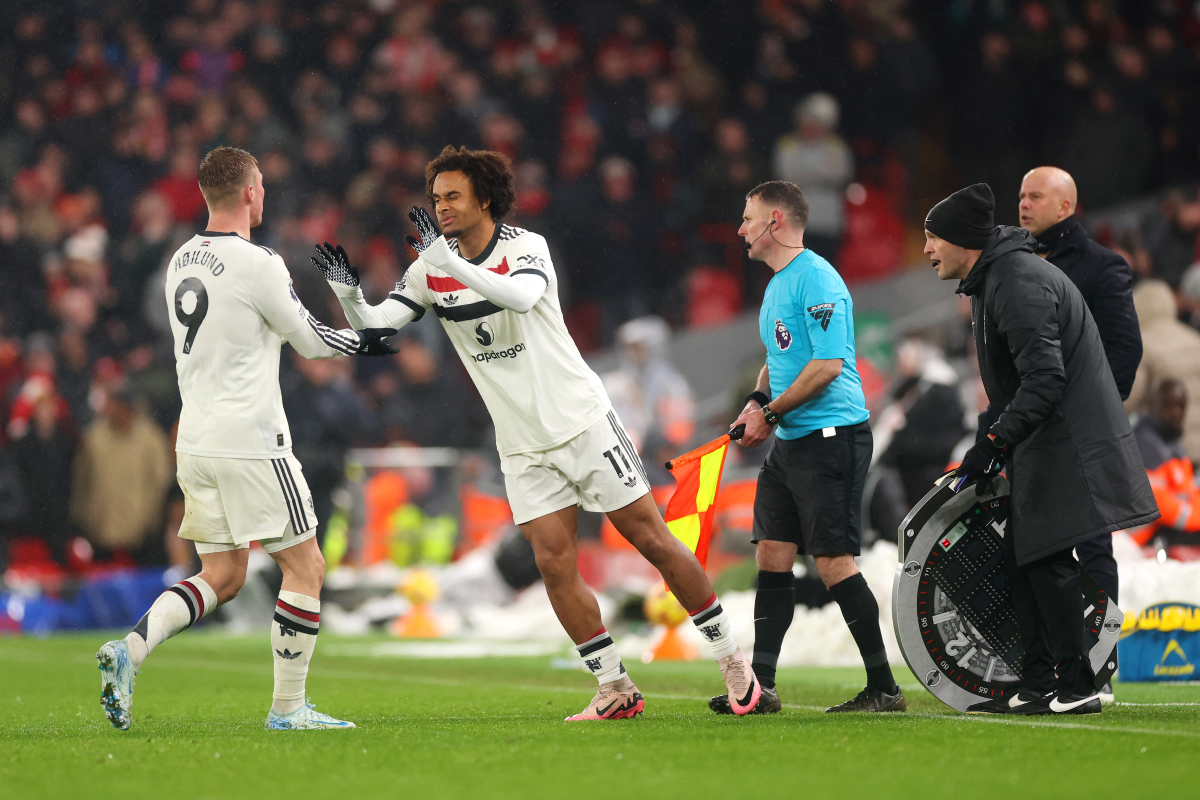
(774, 556)
(554, 562)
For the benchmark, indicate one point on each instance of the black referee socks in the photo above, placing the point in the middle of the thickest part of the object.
(861, 613)
(774, 607)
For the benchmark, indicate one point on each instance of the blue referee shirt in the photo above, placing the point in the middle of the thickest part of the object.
(807, 313)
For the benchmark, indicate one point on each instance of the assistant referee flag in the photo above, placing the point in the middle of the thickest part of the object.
(692, 508)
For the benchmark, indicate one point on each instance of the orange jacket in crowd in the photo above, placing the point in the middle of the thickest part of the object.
(1173, 480)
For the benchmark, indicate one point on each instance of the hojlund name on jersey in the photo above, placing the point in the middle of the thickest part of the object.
(205, 258)
(492, 355)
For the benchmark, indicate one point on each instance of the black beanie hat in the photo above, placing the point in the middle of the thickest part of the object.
(964, 218)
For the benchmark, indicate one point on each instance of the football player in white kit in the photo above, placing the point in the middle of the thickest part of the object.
(561, 445)
(232, 307)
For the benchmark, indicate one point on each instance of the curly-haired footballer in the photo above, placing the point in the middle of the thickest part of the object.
(561, 445)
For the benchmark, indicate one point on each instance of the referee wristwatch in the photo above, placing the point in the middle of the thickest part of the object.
(770, 416)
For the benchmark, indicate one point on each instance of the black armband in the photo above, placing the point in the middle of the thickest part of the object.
(757, 397)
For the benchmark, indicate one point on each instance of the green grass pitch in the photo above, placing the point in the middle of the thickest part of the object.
(492, 728)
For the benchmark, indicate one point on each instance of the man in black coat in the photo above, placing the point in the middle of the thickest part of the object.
(1048, 201)
(1076, 472)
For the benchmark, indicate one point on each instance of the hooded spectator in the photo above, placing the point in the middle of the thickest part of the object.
(650, 396)
(121, 474)
(816, 159)
(1170, 350)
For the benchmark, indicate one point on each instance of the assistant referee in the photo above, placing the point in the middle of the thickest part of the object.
(811, 486)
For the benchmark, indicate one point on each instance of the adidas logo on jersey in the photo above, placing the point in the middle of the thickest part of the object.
(450, 299)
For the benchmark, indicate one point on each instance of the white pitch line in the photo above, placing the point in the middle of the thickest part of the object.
(1155, 705)
(1067, 725)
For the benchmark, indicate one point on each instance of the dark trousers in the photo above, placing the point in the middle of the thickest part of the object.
(1049, 607)
(1096, 556)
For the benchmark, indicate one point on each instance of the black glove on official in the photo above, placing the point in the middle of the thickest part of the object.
(427, 229)
(371, 342)
(335, 265)
(981, 462)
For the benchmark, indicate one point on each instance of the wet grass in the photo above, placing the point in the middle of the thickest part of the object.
(492, 727)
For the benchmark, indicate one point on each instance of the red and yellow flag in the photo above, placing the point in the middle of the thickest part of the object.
(692, 508)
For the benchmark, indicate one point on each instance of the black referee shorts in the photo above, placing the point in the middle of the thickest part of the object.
(810, 491)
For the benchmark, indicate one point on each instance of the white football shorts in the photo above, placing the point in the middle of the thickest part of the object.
(230, 502)
(599, 469)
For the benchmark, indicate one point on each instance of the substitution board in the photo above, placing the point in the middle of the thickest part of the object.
(951, 607)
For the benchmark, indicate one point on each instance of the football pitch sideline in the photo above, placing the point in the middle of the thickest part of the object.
(492, 727)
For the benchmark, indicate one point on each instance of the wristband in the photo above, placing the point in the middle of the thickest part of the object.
(757, 397)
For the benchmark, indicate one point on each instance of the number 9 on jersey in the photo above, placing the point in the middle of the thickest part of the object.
(193, 318)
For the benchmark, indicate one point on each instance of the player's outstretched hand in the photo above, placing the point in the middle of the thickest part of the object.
(427, 230)
(371, 342)
(335, 265)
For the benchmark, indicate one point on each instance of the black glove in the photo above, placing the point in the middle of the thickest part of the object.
(371, 342)
(335, 265)
(983, 461)
(427, 229)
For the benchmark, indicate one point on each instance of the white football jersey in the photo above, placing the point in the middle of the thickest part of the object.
(232, 306)
(537, 387)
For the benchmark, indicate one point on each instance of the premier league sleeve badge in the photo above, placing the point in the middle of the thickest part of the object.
(951, 606)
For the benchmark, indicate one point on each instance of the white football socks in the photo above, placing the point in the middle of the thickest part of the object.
(175, 610)
(600, 656)
(293, 639)
(714, 625)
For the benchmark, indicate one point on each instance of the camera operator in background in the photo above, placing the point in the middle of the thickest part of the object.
(1076, 471)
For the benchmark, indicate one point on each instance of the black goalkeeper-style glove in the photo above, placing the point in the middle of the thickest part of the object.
(982, 462)
(427, 230)
(335, 265)
(371, 342)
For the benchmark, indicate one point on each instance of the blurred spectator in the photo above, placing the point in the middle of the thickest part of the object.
(1170, 350)
(44, 457)
(22, 286)
(120, 480)
(632, 128)
(326, 417)
(1107, 128)
(917, 432)
(621, 237)
(816, 159)
(650, 396)
(993, 139)
(140, 254)
(20, 141)
(180, 187)
(1171, 234)
(1159, 436)
(38, 384)
(1189, 295)
(426, 403)
(728, 173)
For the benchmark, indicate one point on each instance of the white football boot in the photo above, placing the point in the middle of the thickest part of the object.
(116, 682)
(305, 718)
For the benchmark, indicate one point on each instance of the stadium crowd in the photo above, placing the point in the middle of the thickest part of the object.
(635, 129)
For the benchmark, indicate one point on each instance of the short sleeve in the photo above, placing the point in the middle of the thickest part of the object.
(533, 257)
(823, 300)
(411, 289)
